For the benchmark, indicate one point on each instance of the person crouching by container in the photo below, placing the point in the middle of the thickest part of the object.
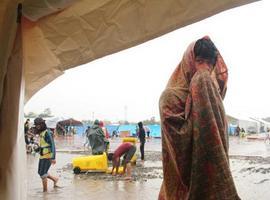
(127, 150)
(47, 152)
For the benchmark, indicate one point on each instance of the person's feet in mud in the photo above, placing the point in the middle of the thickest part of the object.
(128, 178)
(55, 183)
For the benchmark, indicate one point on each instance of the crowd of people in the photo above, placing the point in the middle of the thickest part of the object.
(96, 140)
(240, 132)
(194, 132)
(30, 137)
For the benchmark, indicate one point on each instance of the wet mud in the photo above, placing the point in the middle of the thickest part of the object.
(251, 173)
(150, 169)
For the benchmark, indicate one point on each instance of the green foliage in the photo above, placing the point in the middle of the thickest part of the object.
(30, 115)
(150, 121)
(46, 113)
(88, 122)
(267, 119)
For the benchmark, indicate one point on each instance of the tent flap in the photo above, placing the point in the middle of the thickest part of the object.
(90, 29)
(35, 10)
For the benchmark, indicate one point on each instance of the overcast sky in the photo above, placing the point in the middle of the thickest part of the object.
(128, 84)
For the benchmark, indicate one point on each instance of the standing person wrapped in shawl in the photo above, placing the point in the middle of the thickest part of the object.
(194, 128)
(97, 140)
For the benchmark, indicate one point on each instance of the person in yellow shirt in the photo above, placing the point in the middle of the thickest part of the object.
(47, 152)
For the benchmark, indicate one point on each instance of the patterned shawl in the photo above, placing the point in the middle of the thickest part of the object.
(194, 133)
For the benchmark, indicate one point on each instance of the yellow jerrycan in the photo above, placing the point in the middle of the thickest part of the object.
(92, 162)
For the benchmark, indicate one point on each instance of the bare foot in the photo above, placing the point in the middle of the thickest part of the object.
(128, 178)
(55, 183)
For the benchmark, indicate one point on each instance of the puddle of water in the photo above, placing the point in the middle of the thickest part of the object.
(94, 185)
(251, 179)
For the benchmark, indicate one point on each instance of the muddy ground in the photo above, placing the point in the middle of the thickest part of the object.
(251, 174)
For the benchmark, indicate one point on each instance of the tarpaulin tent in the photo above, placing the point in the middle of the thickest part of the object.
(70, 122)
(56, 35)
(67, 126)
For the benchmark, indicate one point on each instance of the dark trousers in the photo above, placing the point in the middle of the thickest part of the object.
(142, 150)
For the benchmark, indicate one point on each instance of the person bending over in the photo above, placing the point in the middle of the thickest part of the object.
(127, 150)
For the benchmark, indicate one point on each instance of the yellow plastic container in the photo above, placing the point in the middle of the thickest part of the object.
(92, 162)
(132, 140)
(120, 170)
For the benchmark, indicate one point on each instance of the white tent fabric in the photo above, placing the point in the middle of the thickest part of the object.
(89, 29)
(34, 9)
(12, 146)
(52, 121)
(61, 34)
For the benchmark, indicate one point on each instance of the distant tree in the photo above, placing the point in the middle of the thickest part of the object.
(153, 120)
(46, 113)
(90, 122)
(107, 122)
(121, 122)
(150, 121)
(87, 122)
(30, 115)
(267, 119)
